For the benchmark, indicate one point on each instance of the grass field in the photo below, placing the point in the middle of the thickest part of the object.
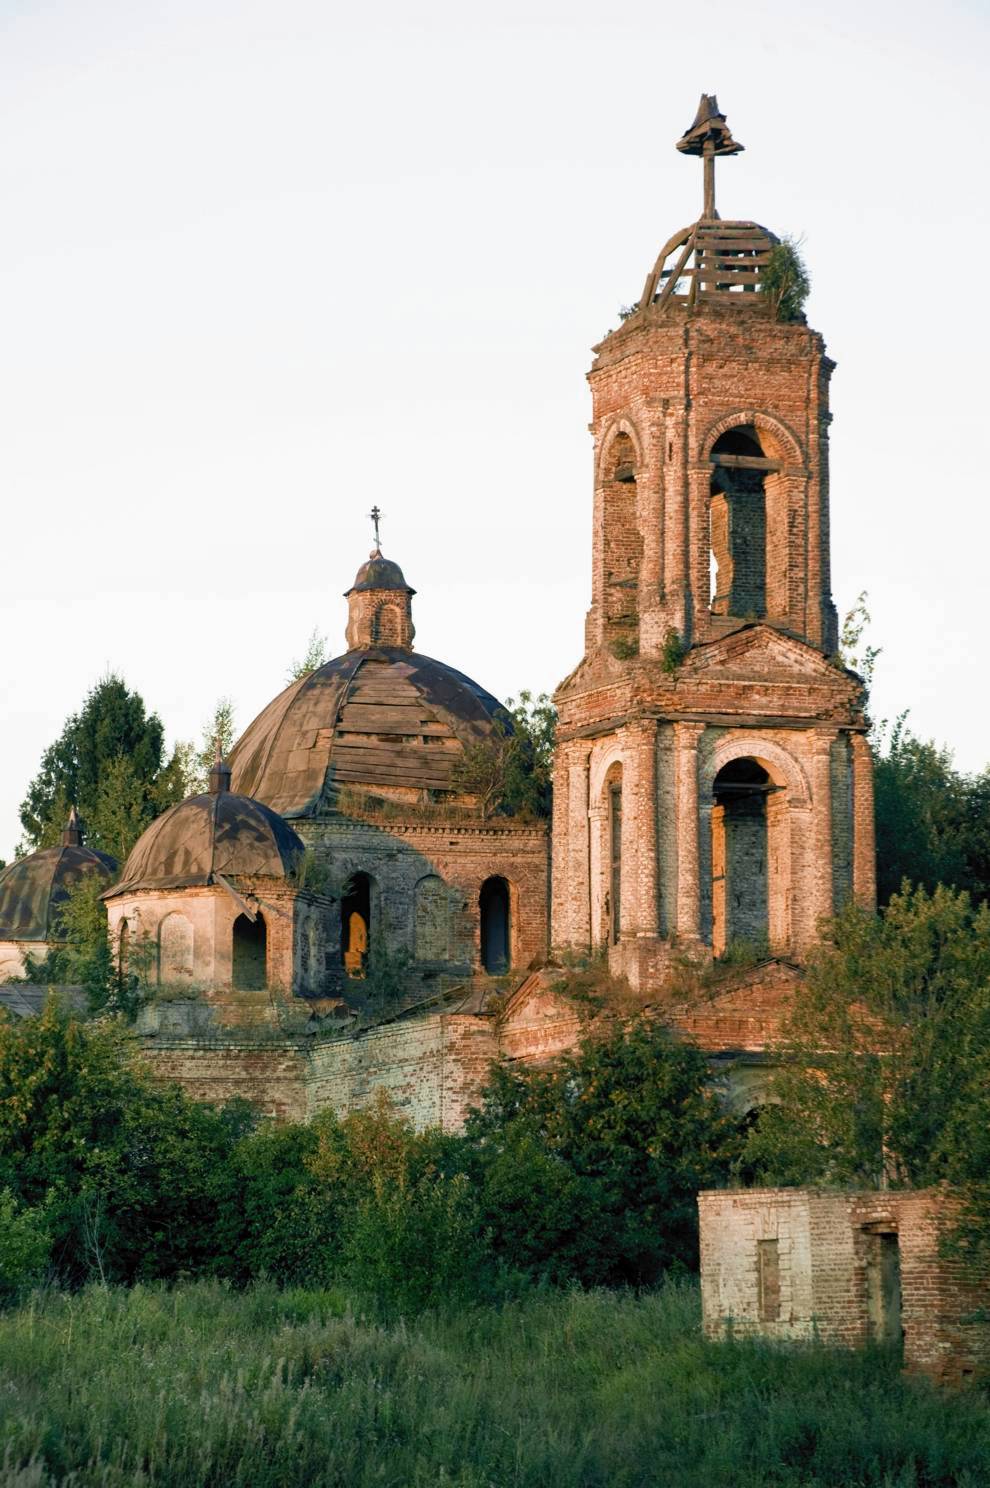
(200, 1386)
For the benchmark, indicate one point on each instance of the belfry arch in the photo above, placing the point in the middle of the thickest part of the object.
(753, 796)
(622, 540)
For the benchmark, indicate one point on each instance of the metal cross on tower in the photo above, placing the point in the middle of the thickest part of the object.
(376, 515)
(709, 136)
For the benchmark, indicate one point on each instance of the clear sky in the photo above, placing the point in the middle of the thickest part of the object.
(265, 264)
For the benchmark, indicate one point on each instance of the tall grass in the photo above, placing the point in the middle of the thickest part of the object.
(200, 1386)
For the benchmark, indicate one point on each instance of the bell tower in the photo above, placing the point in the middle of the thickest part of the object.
(713, 782)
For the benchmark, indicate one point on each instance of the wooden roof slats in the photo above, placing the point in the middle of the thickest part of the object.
(709, 260)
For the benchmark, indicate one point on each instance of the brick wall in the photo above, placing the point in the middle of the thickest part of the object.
(829, 1264)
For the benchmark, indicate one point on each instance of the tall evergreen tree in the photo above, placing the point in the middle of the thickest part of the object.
(109, 760)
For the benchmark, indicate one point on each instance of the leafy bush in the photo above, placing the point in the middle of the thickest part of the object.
(631, 1119)
(785, 280)
(25, 1245)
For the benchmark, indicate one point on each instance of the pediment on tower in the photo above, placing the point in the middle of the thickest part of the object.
(759, 669)
(747, 1011)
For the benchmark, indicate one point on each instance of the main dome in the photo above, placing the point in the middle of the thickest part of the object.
(204, 836)
(380, 716)
(32, 889)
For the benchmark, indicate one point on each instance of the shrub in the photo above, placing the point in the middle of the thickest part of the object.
(25, 1245)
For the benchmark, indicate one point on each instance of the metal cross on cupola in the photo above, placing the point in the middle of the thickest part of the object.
(709, 136)
(376, 515)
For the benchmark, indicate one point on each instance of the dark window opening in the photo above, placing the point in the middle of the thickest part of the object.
(740, 856)
(615, 863)
(249, 952)
(738, 524)
(355, 924)
(883, 1289)
(494, 905)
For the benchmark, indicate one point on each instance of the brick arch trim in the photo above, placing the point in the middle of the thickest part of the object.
(780, 765)
(620, 425)
(600, 766)
(775, 427)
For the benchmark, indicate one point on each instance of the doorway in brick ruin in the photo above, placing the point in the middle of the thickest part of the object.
(355, 924)
(494, 906)
(883, 1287)
(740, 856)
(249, 954)
(738, 525)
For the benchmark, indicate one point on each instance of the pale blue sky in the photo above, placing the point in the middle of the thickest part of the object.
(266, 264)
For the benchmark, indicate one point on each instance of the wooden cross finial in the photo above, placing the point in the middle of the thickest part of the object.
(376, 516)
(709, 136)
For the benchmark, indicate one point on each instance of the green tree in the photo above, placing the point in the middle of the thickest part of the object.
(785, 279)
(132, 1171)
(885, 1056)
(109, 760)
(196, 762)
(314, 656)
(614, 1140)
(510, 771)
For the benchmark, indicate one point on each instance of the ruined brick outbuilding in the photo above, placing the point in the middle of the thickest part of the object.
(712, 779)
(847, 1270)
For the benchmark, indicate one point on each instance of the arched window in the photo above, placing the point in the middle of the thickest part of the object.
(386, 626)
(355, 924)
(740, 856)
(495, 926)
(175, 949)
(738, 517)
(248, 959)
(623, 545)
(123, 948)
(432, 919)
(613, 854)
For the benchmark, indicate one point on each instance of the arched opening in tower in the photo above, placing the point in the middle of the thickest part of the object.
(740, 856)
(738, 525)
(613, 899)
(355, 924)
(248, 954)
(495, 926)
(623, 546)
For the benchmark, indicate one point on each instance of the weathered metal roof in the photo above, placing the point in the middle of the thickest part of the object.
(203, 836)
(379, 573)
(32, 889)
(381, 716)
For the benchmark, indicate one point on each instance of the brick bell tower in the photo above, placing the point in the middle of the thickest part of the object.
(713, 782)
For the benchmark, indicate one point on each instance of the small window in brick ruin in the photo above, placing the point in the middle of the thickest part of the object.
(432, 919)
(615, 860)
(386, 626)
(249, 954)
(175, 950)
(738, 522)
(768, 1279)
(355, 924)
(495, 940)
(740, 857)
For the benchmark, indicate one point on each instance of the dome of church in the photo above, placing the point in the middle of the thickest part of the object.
(379, 573)
(380, 716)
(209, 835)
(32, 889)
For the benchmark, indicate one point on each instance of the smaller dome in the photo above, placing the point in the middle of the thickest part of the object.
(205, 836)
(32, 889)
(379, 573)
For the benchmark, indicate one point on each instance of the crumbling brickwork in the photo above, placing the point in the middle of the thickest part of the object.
(848, 1268)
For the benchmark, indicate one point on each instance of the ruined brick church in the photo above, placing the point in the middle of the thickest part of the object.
(712, 777)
